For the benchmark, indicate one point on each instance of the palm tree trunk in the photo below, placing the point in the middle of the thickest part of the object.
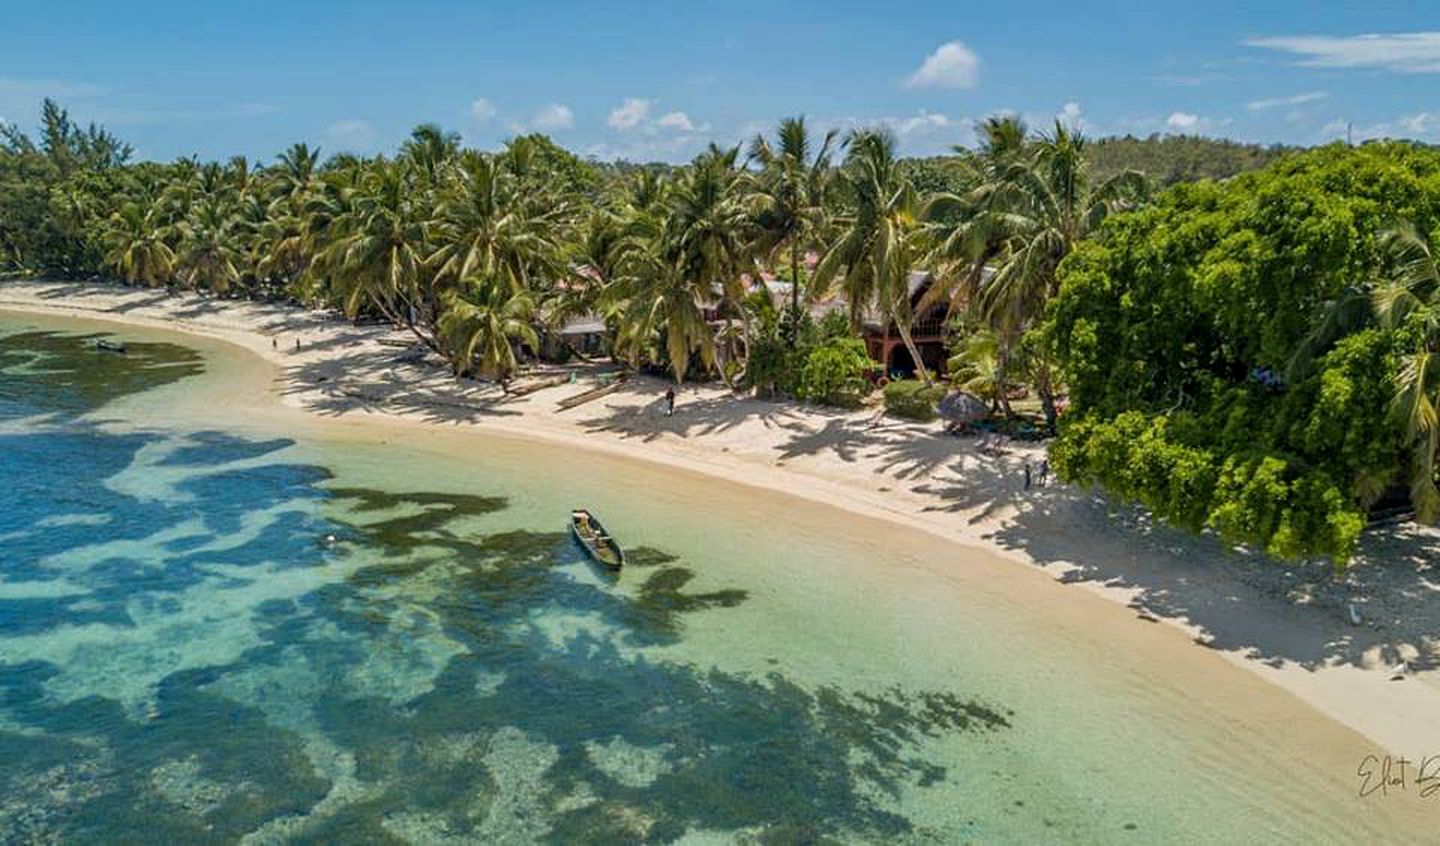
(1002, 372)
(904, 328)
(794, 293)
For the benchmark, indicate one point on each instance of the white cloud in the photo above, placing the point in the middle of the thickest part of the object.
(482, 109)
(1070, 116)
(1401, 52)
(1298, 99)
(920, 123)
(350, 136)
(921, 134)
(1182, 121)
(1422, 126)
(952, 65)
(554, 116)
(629, 114)
(678, 121)
(1418, 125)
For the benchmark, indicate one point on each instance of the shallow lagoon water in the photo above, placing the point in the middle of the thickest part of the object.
(223, 630)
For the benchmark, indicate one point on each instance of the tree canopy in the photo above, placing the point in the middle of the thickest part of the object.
(1203, 379)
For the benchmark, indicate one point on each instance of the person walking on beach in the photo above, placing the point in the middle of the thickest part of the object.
(1027, 475)
(273, 343)
(1044, 472)
(297, 345)
(670, 402)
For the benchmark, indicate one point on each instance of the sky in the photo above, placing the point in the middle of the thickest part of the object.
(659, 81)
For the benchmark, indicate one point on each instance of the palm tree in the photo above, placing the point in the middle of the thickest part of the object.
(208, 251)
(1032, 211)
(484, 226)
(657, 300)
(790, 199)
(880, 241)
(1410, 296)
(136, 247)
(377, 257)
(679, 258)
(481, 320)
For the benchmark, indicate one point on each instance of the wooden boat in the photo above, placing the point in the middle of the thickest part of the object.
(591, 534)
(104, 345)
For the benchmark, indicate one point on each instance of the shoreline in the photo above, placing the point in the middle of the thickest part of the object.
(1284, 630)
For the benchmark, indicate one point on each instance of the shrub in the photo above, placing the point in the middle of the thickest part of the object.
(912, 400)
(835, 373)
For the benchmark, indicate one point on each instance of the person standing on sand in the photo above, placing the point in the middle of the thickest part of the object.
(273, 343)
(1044, 472)
(669, 402)
(297, 345)
(1027, 475)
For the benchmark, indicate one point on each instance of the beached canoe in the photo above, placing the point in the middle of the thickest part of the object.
(590, 532)
(104, 345)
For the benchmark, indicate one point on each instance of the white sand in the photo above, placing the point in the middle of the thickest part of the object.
(1286, 623)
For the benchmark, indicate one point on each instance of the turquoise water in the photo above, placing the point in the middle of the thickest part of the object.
(228, 633)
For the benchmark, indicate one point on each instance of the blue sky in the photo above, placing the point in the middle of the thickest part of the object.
(659, 81)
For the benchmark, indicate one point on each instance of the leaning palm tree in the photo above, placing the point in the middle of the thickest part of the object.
(790, 198)
(481, 321)
(880, 241)
(377, 257)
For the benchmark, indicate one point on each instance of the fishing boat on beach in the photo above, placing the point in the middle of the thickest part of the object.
(104, 345)
(590, 532)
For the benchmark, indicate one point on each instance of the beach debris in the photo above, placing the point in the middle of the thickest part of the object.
(540, 385)
(1205, 639)
(1354, 614)
(592, 394)
(1146, 614)
(1399, 671)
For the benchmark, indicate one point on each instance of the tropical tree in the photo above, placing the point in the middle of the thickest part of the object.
(481, 321)
(377, 256)
(136, 247)
(1407, 300)
(880, 239)
(209, 253)
(789, 199)
(1036, 204)
(484, 226)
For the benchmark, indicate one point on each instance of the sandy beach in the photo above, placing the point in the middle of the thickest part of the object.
(1288, 624)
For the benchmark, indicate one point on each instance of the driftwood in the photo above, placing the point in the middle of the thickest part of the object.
(592, 394)
(539, 385)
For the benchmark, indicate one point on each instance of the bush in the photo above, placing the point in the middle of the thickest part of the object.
(912, 400)
(835, 373)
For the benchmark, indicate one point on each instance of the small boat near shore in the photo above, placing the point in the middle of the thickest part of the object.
(106, 345)
(598, 544)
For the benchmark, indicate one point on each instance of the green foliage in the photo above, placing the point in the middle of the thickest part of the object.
(912, 399)
(1162, 325)
(1171, 159)
(837, 372)
(836, 376)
